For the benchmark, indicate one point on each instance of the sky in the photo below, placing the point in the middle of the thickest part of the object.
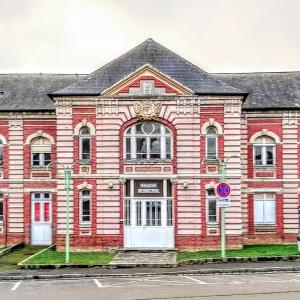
(79, 36)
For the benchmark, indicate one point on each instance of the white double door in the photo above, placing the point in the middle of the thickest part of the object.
(41, 228)
(148, 224)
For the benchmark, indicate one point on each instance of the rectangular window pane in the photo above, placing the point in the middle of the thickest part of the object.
(155, 147)
(47, 159)
(258, 212)
(211, 148)
(36, 159)
(168, 147)
(37, 211)
(1, 155)
(269, 212)
(270, 155)
(258, 155)
(212, 210)
(46, 212)
(127, 212)
(141, 148)
(138, 213)
(128, 148)
(85, 210)
(85, 148)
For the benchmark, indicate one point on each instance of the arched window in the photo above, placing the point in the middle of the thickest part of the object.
(211, 143)
(1, 153)
(85, 207)
(85, 144)
(264, 151)
(148, 140)
(40, 152)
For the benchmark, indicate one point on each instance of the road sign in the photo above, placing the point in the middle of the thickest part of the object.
(223, 202)
(222, 190)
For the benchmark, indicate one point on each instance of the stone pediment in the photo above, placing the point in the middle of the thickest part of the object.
(147, 81)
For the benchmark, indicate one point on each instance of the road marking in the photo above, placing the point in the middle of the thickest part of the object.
(196, 280)
(236, 282)
(16, 285)
(98, 283)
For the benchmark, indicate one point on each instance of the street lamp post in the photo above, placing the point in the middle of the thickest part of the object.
(67, 178)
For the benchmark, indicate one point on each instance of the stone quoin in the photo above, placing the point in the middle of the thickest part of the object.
(150, 130)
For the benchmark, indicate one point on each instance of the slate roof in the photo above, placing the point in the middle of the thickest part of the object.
(267, 89)
(149, 52)
(30, 91)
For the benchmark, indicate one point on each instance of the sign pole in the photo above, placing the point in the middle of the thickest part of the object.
(223, 213)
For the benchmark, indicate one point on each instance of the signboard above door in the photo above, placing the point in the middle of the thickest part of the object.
(148, 188)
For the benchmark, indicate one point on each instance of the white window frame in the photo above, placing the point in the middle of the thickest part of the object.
(262, 197)
(209, 198)
(42, 199)
(2, 203)
(215, 136)
(133, 136)
(41, 159)
(81, 198)
(81, 137)
(264, 155)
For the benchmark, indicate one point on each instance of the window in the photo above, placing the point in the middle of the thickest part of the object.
(40, 152)
(212, 209)
(264, 208)
(1, 208)
(1, 153)
(85, 144)
(264, 151)
(148, 140)
(211, 143)
(85, 207)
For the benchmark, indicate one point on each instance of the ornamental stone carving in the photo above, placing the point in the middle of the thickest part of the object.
(147, 109)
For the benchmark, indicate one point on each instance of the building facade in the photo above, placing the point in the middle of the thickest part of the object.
(145, 136)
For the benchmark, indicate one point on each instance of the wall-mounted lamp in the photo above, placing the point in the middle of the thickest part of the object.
(110, 185)
(185, 185)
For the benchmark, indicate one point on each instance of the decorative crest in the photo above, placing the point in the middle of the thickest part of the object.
(147, 109)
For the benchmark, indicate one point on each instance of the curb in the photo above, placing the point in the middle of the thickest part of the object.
(174, 273)
(10, 249)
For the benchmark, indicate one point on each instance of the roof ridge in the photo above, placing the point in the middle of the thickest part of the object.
(256, 72)
(41, 73)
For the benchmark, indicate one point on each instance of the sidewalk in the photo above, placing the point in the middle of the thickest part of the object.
(221, 268)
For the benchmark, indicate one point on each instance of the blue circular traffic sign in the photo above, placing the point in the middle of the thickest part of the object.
(222, 190)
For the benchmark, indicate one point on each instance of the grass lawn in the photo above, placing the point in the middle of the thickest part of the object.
(247, 251)
(10, 260)
(53, 257)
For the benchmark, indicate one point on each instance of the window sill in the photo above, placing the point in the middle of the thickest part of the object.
(213, 225)
(85, 162)
(265, 167)
(148, 161)
(85, 225)
(212, 161)
(40, 168)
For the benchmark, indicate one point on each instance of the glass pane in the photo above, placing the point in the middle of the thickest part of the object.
(85, 210)
(258, 212)
(168, 147)
(157, 128)
(258, 155)
(47, 195)
(169, 213)
(85, 131)
(128, 131)
(47, 158)
(46, 212)
(269, 212)
(127, 212)
(138, 129)
(153, 213)
(36, 159)
(128, 148)
(270, 156)
(85, 148)
(155, 147)
(148, 128)
(148, 215)
(141, 148)
(212, 211)
(211, 192)
(169, 188)
(37, 211)
(138, 213)
(127, 188)
(211, 130)
(1, 156)
(1, 210)
(211, 147)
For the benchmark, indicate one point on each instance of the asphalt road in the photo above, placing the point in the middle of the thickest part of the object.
(275, 286)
